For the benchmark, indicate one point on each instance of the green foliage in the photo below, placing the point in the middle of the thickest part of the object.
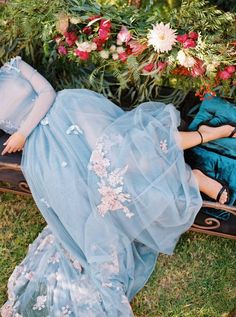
(27, 28)
(197, 281)
(226, 5)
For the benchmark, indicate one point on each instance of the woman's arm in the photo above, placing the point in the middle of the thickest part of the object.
(45, 97)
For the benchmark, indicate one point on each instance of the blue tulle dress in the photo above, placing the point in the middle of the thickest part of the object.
(114, 190)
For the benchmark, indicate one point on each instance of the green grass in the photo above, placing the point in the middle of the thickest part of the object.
(197, 281)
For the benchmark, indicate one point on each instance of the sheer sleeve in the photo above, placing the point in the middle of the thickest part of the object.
(45, 97)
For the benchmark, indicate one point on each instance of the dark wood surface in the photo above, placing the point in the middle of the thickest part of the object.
(12, 180)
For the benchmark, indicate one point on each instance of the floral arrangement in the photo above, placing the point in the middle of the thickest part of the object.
(169, 53)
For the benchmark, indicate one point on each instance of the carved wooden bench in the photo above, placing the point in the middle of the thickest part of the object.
(13, 181)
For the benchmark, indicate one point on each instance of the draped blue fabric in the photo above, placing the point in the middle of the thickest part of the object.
(216, 158)
(115, 191)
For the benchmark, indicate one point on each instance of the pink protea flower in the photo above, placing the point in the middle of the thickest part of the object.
(149, 67)
(189, 43)
(62, 50)
(182, 38)
(224, 74)
(198, 69)
(123, 36)
(193, 35)
(82, 55)
(136, 47)
(71, 38)
(230, 69)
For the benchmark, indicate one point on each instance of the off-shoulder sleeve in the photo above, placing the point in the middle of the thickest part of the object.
(46, 95)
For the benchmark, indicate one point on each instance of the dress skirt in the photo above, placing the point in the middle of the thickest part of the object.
(115, 191)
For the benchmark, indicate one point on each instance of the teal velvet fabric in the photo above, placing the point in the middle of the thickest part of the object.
(216, 159)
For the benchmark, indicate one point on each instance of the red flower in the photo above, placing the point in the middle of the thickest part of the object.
(193, 35)
(198, 69)
(181, 70)
(71, 38)
(82, 55)
(62, 50)
(103, 34)
(224, 75)
(128, 50)
(105, 24)
(94, 17)
(123, 57)
(182, 38)
(87, 30)
(189, 43)
(104, 30)
(230, 69)
(99, 43)
(149, 67)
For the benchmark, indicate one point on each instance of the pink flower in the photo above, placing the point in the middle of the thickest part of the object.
(123, 36)
(57, 39)
(230, 69)
(189, 43)
(198, 69)
(224, 74)
(136, 47)
(123, 56)
(82, 55)
(71, 38)
(149, 67)
(161, 65)
(62, 50)
(87, 30)
(193, 35)
(182, 38)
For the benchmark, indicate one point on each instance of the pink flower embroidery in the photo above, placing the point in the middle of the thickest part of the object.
(111, 183)
(112, 199)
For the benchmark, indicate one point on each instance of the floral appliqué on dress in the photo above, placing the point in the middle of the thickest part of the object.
(111, 182)
(164, 146)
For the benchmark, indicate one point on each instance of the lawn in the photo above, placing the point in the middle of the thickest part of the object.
(197, 281)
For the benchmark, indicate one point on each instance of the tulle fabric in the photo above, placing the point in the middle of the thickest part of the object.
(115, 192)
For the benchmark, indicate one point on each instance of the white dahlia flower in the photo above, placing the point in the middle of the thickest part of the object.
(162, 37)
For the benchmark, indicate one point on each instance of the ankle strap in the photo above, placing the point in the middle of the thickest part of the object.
(200, 136)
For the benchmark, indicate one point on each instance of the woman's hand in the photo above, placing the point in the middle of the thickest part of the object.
(14, 143)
